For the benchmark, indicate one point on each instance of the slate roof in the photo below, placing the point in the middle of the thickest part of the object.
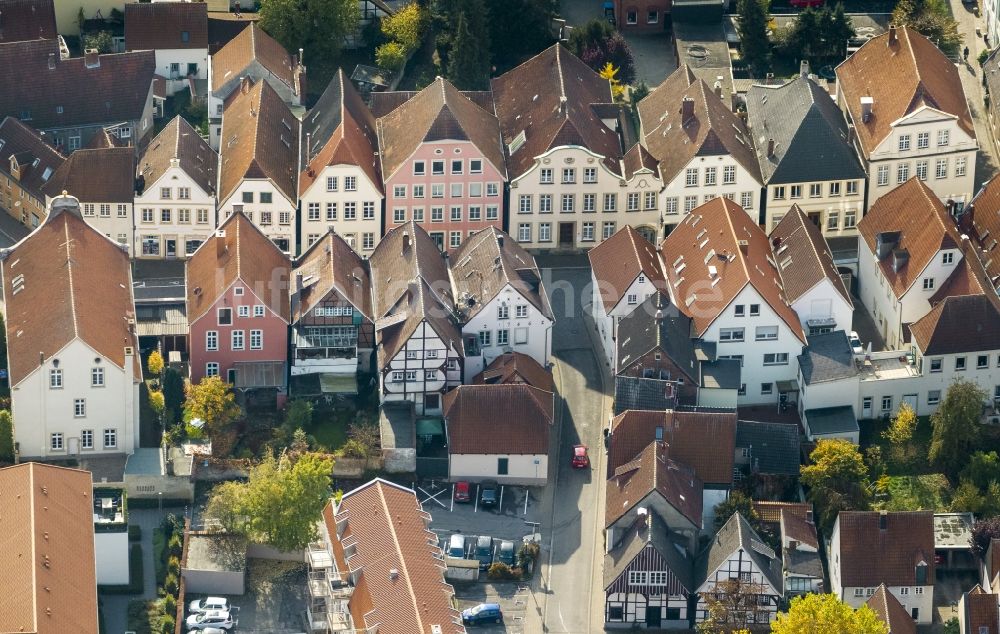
(890, 611)
(643, 331)
(713, 130)
(178, 140)
(163, 25)
(70, 94)
(339, 130)
(635, 393)
(831, 420)
(329, 265)
(439, 112)
(737, 534)
(253, 44)
(619, 260)
(685, 433)
(802, 562)
(552, 98)
(474, 413)
(808, 130)
(75, 284)
(827, 357)
(26, 146)
(653, 471)
(516, 367)
(27, 20)
(651, 533)
(981, 221)
(96, 176)
(774, 446)
(923, 224)
(260, 139)
(803, 256)
(902, 71)
(907, 540)
(981, 611)
(709, 238)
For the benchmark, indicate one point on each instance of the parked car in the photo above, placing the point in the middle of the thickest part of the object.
(484, 551)
(208, 630)
(580, 458)
(506, 553)
(482, 613)
(462, 492)
(456, 546)
(856, 346)
(219, 619)
(208, 604)
(488, 493)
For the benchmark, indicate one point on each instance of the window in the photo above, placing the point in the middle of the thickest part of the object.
(739, 310)
(590, 175)
(475, 213)
(610, 202)
(568, 203)
(850, 219)
(455, 239)
(437, 168)
(731, 334)
(904, 142)
(886, 403)
(631, 16)
(833, 221)
(670, 205)
(226, 314)
(524, 203)
(237, 339)
(904, 591)
(418, 168)
(691, 177)
(521, 311)
(766, 388)
(184, 216)
(492, 189)
(942, 137)
(456, 214)
(835, 189)
(258, 310)
(475, 190)
(631, 202)
(941, 168)
(503, 311)
(485, 338)
(922, 170)
(524, 232)
(776, 358)
(933, 397)
(923, 140)
(852, 188)
(399, 215)
(883, 175)
(743, 390)
(815, 190)
(729, 175)
(796, 191)
(457, 166)
(936, 365)
(87, 439)
(588, 232)
(211, 340)
(79, 407)
(652, 17)
(475, 166)
(690, 202)
(105, 211)
(350, 211)
(110, 438)
(754, 310)
(184, 193)
(920, 590)
(650, 201)
(350, 185)
(959, 364)
(902, 173)
(456, 190)
(503, 337)
(960, 163)
(746, 200)
(766, 333)
(437, 214)
(55, 379)
(56, 442)
(607, 230)
(147, 215)
(202, 216)
(545, 175)
(589, 203)
(982, 361)
(211, 369)
(285, 218)
(97, 377)
(637, 578)
(545, 232)
(928, 283)
(256, 339)
(165, 193)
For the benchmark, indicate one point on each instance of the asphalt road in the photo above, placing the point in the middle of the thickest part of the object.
(568, 595)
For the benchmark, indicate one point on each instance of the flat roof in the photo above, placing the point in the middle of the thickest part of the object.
(723, 374)
(144, 462)
(827, 357)
(217, 553)
(397, 426)
(952, 530)
(831, 420)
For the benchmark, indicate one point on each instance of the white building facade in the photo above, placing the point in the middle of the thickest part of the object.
(267, 207)
(345, 198)
(175, 215)
(422, 371)
(510, 322)
(706, 177)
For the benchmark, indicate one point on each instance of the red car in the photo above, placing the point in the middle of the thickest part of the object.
(580, 459)
(462, 492)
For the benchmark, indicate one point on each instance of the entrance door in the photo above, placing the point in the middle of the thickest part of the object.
(566, 234)
(653, 616)
(911, 400)
(170, 248)
(231, 376)
(74, 446)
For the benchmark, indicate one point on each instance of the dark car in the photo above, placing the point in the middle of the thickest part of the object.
(484, 551)
(462, 492)
(488, 495)
(482, 613)
(506, 553)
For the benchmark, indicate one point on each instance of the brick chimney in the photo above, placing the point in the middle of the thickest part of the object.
(687, 109)
(804, 68)
(770, 148)
(892, 35)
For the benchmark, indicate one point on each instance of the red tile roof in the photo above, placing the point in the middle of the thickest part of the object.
(889, 610)
(651, 471)
(619, 260)
(253, 45)
(163, 25)
(178, 140)
(982, 223)
(798, 527)
(25, 145)
(331, 265)
(770, 512)
(870, 555)
(27, 20)
(515, 367)
(475, 412)
(96, 176)
(804, 258)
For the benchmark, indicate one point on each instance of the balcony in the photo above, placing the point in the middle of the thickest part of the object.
(323, 352)
(319, 557)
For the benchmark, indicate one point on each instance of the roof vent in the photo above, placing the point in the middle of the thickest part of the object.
(867, 103)
(394, 574)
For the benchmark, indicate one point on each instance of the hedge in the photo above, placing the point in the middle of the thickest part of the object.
(135, 584)
(134, 533)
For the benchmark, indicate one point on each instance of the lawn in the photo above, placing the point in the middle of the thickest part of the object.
(917, 464)
(329, 427)
(929, 492)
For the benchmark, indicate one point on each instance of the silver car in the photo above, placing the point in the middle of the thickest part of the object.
(217, 619)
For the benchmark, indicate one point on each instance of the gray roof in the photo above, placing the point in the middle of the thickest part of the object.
(397, 425)
(723, 374)
(639, 333)
(827, 357)
(774, 446)
(658, 536)
(831, 420)
(802, 562)
(737, 534)
(642, 394)
(216, 553)
(809, 133)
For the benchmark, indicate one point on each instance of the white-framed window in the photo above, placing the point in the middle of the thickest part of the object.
(886, 403)
(589, 203)
(55, 379)
(691, 177)
(833, 221)
(110, 438)
(455, 239)
(670, 205)
(766, 333)
(690, 202)
(211, 340)
(796, 191)
(923, 140)
(418, 191)
(97, 377)
(903, 591)
(503, 337)
(859, 592)
(521, 311)
(936, 365)
(146, 215)
(475, 166)
(850, 219)
(941, 168)
(588, 232)
(485, 338)
(754, 310)
(632, 201)
(350, 183)
(959, 364)
(312, 211)
(457, 166)
(632, 16)
(350, 212)
(728, 174)
(568, 175)
(524, 203)
(766, 388)
(56, 442)
(835, 189)
(815, 190)
(399, 215)
(637, 578)
(960, 164)
(456, 190)
(456, 213)
(710, 175)
(568, 203)
(492, 189)
(211, 369)
(87, 439)
(524, 232)
(607, 230)
(883, 175)
(545, 176)
(731, 334)
(928, 283)
(902, 173)
(852, 188)
(237, 339)
(165, 193)
(79, 407)
(258, 310)
(610, 202)
(649, 200)
(590, 175)
(419, 168)
(776, 358)
(904, 142)
(746, 200)
(922, 170)
(256, 339)
(943, 136)
(243, 311)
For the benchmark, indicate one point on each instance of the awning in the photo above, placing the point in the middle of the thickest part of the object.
(256, 374)
(338, 383)
(157, 321)
(430, 427)
(787, 386)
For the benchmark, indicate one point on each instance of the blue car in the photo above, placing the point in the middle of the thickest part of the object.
(482, 613)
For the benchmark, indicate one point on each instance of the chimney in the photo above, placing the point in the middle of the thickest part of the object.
(770, 148)
(394, 574)
(659, 316)
(745, 247)
(687, 109)
(308, 144)
(220, 243)
(301, 55)
(867, 104)
(804, 68)
(52, 61)
(500, 240)
(175, 162)
(734, 102)
(718, 86)
(892, 35)
(562, 105)
(769, 79)
(883, 520)
(245, 84)
(851, 134)
(91, 58)
(298, 282)
(406, 241)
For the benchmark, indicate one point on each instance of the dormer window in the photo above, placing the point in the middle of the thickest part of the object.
(921, 573)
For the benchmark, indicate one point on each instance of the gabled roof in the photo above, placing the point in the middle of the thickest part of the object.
(902, 71)
(685, 434)
(166, 25)
(981, 221)
(106, 176)
(808, 131)
(475, 412)
(28, 20)
(656, 324)
(638, 159)
(253, 44)
(242, 252)
(803, 256)
(330, 265)
(339, 130)
(47, 535)
(922, 223)
(406, 254)
(870, 555)
(981, 614)
(770, 512)
(890, 611)
(774, 447)
(711, 130)
(418, 303)
(439, 112)
(26, 146)
(721, 236)
(957, 324)
(619, 260)
(551, 99)
(70, 94)
(646, 394)
(798, 527)
(260, 139)
(515, 367)
(178, 140)
(400, 587)
(384, 102)
(74, 284)
(650, 532)
(653, 471)
(224, 26)
(488, 261)
(737, 534)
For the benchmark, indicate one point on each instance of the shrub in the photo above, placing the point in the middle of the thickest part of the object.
(134, 532)
(169, 605)
(155, 363)
(500, 571)
(170, 584)
(168, 625)
(174, 566)
(527, 555)
(391, 56)
(175, 546)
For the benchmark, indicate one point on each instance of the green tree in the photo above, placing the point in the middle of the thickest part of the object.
(155, 363)
(173, 395)
(469, 57)
(837, 478)
(212, 401)
(982, 468)
(407, 26)
(756, 48)
(835, 31)
(931, 18)
(955, 426)
(826, 613)
(318, 26)
(298, 415)
(6, 437)
(280, 502)
(899, 433)
(390, 56)
(591, 34)
(967, 499)
(523, 26)
(102, 41)
(737, 502)
(952, 626)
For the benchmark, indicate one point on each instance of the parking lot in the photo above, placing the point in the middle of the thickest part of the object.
(515, 515)
(274, 601)
(512, 597)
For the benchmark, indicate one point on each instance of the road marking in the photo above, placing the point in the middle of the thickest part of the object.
(475, 509)
(452, 499)
(500, 507)
(433, 498)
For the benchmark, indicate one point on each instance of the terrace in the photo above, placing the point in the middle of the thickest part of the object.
(110, 510)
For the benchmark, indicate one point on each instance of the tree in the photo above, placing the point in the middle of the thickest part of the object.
(899, 433)
(156, 402)
(615, 51)
(983, 532)
(173, 395)
(155, 363)
(956, 426)
(390, 56)
(298, 415)
(469, 57)
(280, 502)
(212, 401)
(931, 18)
(367, 438)
(837, 479)
(102, 41)
(737, 502)
(6, 437)
(610, 73)
(756, 49)
(729, 606)
(524, 28)
(590, 34)
(982, 469)
(826, 613)
(318, 26)
(407, 26)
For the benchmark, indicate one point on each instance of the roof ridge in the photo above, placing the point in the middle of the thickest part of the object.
(562, 83)
(34, 548)
(239, 268)
(402, 559)
(69, 271)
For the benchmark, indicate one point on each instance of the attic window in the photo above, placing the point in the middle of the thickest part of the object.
(59, 109)
(782, 249)
(516, 143)
(287, 125)
(709, 255)
(47, 173)
(678, 282)
(185, 36)
(680, 268)
(680, 258)
(689, 300)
